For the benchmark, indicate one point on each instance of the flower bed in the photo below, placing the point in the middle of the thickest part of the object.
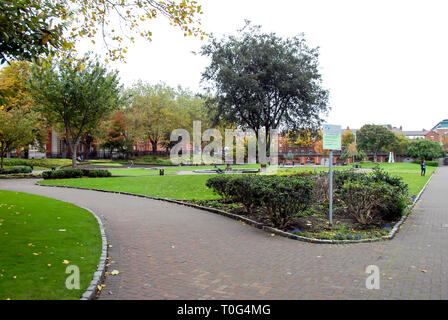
(366, 205)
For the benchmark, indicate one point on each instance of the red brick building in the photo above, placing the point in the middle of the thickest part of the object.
(57, 147)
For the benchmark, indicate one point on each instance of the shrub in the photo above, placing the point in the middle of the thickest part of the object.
(238, 188)
(432, 163)
(46, 163)
(246, 190)
(321, 188)
(16, 170)
(285, 198)
(74, 173)
(218, 184)
(290, 172)
(393, 205)
(362, 199)
(428, 163)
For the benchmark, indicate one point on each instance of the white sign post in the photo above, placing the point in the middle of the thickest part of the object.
(331, 141)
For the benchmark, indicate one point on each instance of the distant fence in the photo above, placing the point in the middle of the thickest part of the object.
(102, 154)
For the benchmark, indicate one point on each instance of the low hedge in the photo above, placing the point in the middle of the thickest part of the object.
(282, 197)
(44, 163)
(428, 163)
(16, 170)
(394, 193)
(367, 197)
(75, 173)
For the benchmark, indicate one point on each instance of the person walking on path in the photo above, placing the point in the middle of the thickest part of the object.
(131, 164)
(423, 167)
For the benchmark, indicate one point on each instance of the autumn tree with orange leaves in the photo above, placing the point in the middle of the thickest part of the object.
(116, 137)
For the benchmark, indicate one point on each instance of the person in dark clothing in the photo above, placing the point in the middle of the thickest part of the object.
(423, 167)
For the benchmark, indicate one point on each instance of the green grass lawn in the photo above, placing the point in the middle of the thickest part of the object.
(39, 234)
(191, 187)
(172, 170)
(41, 163)
(186, 187)
(108, 164)
(410, 172)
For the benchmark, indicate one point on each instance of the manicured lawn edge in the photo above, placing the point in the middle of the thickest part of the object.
(267, 228)
(98, 275)
(21, 176)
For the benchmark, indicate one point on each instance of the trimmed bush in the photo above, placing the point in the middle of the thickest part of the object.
(45, 163)
(393, 205)
(75, 173)
(246, 189)
(218, 184)
(290, 172)
(16, 170)
(362, 199)
(283, 197)
(428, 163)
(286, 198)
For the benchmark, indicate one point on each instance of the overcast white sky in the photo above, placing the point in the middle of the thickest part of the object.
(384, 62)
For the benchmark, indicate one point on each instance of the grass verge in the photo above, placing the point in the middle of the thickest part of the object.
(39, 238)
(185, 187)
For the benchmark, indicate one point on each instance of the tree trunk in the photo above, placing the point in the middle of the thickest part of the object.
(375, 157)
(74, 146)
(3, 156)
(64, 150)
(74, 158)
(154, 146)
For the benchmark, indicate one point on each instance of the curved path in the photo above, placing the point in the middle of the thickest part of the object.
(168, 251)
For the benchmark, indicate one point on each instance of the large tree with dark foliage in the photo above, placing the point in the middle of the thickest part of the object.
(264, 81)
(425, 149)
(374, 138)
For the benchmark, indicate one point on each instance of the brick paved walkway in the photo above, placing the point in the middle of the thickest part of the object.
(167, 251)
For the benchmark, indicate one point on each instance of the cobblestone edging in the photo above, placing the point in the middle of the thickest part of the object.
(265, 227)
(92, 289)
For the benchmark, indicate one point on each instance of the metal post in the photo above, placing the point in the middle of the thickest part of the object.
(331, 189)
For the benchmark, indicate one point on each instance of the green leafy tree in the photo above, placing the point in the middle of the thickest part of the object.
(156, 110)
(399, 145)
(76, 94)
(17, 129)
(264, 81)
(374, 138)
(27, 28)
(425, 149)
(153, 112)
